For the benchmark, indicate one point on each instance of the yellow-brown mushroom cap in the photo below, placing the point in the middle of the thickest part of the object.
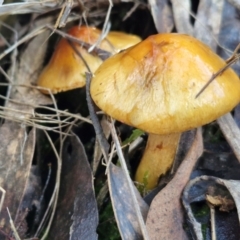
(66, 69)
(153, 85)
(121, 40)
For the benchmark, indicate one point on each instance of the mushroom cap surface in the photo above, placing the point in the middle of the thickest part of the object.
(66, 70)
(153, 85)
(121, 40)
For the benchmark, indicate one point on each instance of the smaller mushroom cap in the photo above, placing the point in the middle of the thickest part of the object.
(153, 85)
(66, 70)
(121, 40)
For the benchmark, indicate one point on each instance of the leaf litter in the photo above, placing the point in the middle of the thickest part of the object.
(165, 216)
(23, 99)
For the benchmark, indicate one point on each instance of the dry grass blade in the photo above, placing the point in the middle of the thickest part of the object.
(106, 27)
(28, 7)
(104, 145)
(53, 202)
(129, 182)
(32, 119)
(20, 105)
(101, 53)
(123, 206)
(2, 198)
(13, 226)
(27, 37)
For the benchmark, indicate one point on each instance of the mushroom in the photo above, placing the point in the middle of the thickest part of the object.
(66, 70)
(153, 86)
(121, 40)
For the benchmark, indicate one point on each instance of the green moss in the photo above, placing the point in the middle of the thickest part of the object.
(135, 134)
(107, 228)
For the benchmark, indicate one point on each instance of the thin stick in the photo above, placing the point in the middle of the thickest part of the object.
(213, 223)
(235, 57)
(64, 113)
(129, 181)
(106, 27)
(100, 52)
(103, 143)
(54, 197)
(22, 40)
(64, 13)
(2, 198)
(15, 233)
(110, 158)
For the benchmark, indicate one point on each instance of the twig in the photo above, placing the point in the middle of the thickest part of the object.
(213, 223)
(2, 198)
(103, 143)
(110, 158)
(233, 59)
(64, 113)
(106, 27)
(22, 40)
(64, 13)
(100, 52)
(54, 197)
(13, 226)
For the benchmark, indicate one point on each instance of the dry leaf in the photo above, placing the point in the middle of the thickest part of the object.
(123, 205)
(237, 115)
(208, 20)
(28, 7)
(165, 217)
(220, 189)
(16, 153)
(231, 132)
(31, 204)
(229, 36)
(162, 15)
(77, 214)
(181, 14)
(17, 142)
(225, 204)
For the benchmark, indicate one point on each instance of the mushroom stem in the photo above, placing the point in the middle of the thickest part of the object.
(157, 158)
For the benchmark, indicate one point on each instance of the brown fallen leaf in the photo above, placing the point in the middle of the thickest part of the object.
(223, 203)
(165, 217)
(17, 148)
